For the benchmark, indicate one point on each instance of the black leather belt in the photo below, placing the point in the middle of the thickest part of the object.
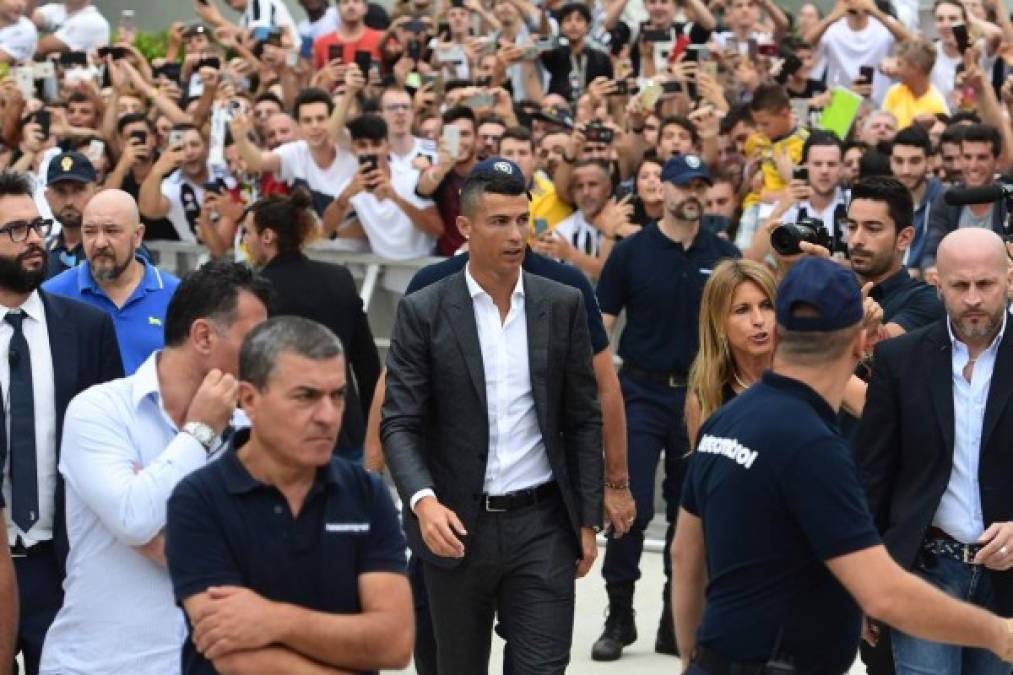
(715, 664)
(519, 499)
(673, 380)
(19, 550)
(939, 542)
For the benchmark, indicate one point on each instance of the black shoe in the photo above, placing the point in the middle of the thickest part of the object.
(620, 627)
(665, 642)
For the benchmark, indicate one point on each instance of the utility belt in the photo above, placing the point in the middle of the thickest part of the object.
(942, 544)
(713, 663)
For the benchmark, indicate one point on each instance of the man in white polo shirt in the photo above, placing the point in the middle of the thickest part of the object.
(76, 26)
(126, 444)
(18, 35)
(174, 188)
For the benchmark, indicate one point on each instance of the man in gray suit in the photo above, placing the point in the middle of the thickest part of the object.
(492, 431)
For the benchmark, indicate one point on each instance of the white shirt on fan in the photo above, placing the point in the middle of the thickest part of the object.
(19, 39)
(846, 51)
(297, 164)
(325, 25)
(82, 31)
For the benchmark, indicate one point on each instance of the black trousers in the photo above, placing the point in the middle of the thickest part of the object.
(519, 567)
(40, 594)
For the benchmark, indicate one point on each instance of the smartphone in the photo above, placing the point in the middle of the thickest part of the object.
(73, 59)
(139, 135)
(732, 44)
(176, 138)
(961, 37)
(370, 162)
(866, 73)
(671, 87)
(335, 53)
(364, 60)
(479, 101)
(692, 55)
(210, 62)
(541, 226)
(656, 34)
(800, 173)
(452, 135)
(95, 150)
(171, 71)
(264, 33)
(116, 52)
(768, 49)
(414, 50)
(42, 117)
(214, 186)
(752, 49)
(649, 96)
(596, 132)
(306, 48)
(622, 88)
(413, 81)
(416, 26)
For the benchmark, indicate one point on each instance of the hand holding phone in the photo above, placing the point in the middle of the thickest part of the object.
(452, 138)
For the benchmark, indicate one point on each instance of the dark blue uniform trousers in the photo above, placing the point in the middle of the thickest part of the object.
(40, 595)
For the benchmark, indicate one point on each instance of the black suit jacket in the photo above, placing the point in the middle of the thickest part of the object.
(326, 293)
(906, 442)
(435, 418)
(84, 349)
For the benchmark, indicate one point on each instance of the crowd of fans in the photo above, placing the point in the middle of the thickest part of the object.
(656, 138)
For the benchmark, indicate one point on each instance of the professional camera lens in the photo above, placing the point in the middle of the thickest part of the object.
(785, 239)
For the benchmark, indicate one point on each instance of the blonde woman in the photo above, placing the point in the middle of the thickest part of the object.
(737, 341)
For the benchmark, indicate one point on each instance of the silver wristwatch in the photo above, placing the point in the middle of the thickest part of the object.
(204, 434)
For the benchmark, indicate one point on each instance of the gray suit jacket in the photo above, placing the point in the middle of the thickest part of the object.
(435, 427)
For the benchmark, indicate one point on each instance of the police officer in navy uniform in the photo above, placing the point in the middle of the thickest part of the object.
(791, 557)
(657, 276)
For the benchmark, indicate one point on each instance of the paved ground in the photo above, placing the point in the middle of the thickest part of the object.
(639, 658)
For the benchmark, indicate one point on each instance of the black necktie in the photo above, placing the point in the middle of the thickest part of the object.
(21, 402)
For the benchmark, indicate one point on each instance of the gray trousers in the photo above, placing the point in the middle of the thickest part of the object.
(519, 567)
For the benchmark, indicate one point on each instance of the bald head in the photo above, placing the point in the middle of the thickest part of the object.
(971, 246)
(113, 206)
(973, 283)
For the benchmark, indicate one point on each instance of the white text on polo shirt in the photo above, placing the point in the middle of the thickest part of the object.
(357, 528)
(729, 447)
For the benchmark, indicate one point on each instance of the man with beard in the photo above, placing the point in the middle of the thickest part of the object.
(70, 183)
(51, 348)
(936, 466)
(117, 280)
(657, 273)
(909, 162)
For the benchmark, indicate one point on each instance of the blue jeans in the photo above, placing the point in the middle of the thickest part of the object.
(971, 583)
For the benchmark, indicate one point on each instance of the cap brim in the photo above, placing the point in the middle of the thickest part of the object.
(70, 179)
(685, 178)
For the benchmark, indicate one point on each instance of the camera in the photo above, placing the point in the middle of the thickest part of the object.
(785, 239)
(596, 132)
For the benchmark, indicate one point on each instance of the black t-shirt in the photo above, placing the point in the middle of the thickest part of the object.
(812, 88)
(659, 283)
(533, 264)
(907, 302)
(778, 493)
(559, 62)
(224, 527)
(693, 32)
(154, 228)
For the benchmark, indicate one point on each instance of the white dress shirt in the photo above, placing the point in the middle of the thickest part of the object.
(122, 456)
(44, 395)
(959, 512)
(517, 458)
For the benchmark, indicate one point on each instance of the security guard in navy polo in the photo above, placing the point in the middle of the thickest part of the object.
(657, 276)
(776, 556)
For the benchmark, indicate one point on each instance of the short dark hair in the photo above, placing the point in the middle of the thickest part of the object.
(492, 182)
(132, 118)
(312, 95)
(522, 134)
(887, 189)
(683, 122)
(284, 334)
(79, 97)
(738, 113)
(571, 7)
(290, 218)
(965, 116)
(268, 96)
(186, 126)
(914, 136)
(818, 137)
(460, 112)
(953, 134)
(15, 184)
(770, 97)
(210, 292)
(874, 163)
(983, 133)
(370, 127)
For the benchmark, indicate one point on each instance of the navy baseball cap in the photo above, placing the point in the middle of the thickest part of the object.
(828, 288)
(681, 169)
(70, 166)
(498, 168)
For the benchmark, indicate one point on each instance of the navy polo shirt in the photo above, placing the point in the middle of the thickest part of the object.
(907, 302)
(224, 527)
(659, 283)
(535, 264)
(139, 322)
(778, 493)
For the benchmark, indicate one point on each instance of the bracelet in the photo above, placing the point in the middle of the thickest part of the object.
(623, 484)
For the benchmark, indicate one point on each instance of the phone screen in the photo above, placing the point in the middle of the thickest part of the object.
(452, 134)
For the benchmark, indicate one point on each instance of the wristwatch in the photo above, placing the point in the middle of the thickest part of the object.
(204, 434)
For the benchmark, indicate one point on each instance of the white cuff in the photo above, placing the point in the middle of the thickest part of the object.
(425, 492)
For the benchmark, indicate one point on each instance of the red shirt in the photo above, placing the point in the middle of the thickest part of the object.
(369, 42)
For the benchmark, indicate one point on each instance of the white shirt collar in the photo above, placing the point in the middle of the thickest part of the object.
(474, 290)
(145, 380)
(33, 307)
(954, 340)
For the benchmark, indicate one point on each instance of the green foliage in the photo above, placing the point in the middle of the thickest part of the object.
(153, 44)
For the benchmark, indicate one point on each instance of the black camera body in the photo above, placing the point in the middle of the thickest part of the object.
(785, 239)
(596, 132)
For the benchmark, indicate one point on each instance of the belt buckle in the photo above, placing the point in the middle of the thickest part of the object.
(967, 554)
(673, 383)
(488, 506)
(18, 555)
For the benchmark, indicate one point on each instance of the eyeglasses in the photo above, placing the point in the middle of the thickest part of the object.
(397, 107)
(17, 230)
